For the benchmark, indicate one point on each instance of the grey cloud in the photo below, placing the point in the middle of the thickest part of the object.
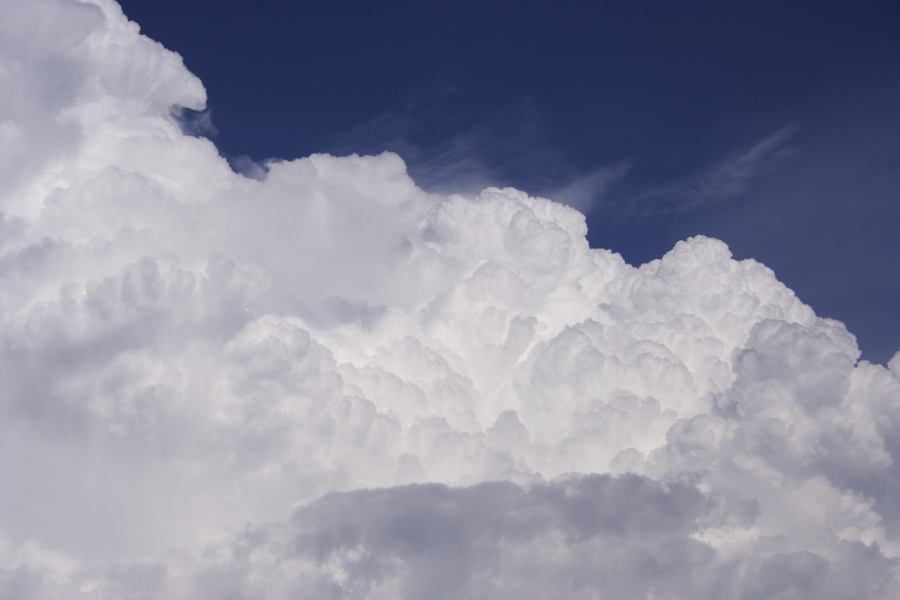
(590, 536)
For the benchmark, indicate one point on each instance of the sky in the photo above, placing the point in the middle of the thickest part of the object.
(407, 324)
(659, 120)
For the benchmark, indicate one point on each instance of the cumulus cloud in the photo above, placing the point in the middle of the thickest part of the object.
(323, 381)
(581, 537)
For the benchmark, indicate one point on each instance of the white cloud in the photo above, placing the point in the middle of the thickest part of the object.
(184, 350)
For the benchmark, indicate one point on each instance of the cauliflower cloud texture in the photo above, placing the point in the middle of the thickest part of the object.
(330, 383)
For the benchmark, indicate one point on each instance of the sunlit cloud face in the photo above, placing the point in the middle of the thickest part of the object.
(326, 382)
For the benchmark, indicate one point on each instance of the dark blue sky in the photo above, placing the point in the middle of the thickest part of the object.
(772, 125)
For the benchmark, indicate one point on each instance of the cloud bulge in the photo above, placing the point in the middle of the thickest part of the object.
(328, 382)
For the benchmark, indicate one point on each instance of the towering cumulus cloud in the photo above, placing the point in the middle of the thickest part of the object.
(329, 383)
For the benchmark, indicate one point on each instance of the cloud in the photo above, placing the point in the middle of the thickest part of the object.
(612, 191)
(584, 191)
(578, 537)
(715, 184)
(452, 148)
(449, 393)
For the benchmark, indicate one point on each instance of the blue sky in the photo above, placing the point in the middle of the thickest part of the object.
(773, 126)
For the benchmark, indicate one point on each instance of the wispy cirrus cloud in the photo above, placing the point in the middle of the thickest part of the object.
(616, 190)
(451, 145)
(718, 183)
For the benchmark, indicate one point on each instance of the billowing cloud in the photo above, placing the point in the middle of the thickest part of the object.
(327, 382)
(582, 537)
